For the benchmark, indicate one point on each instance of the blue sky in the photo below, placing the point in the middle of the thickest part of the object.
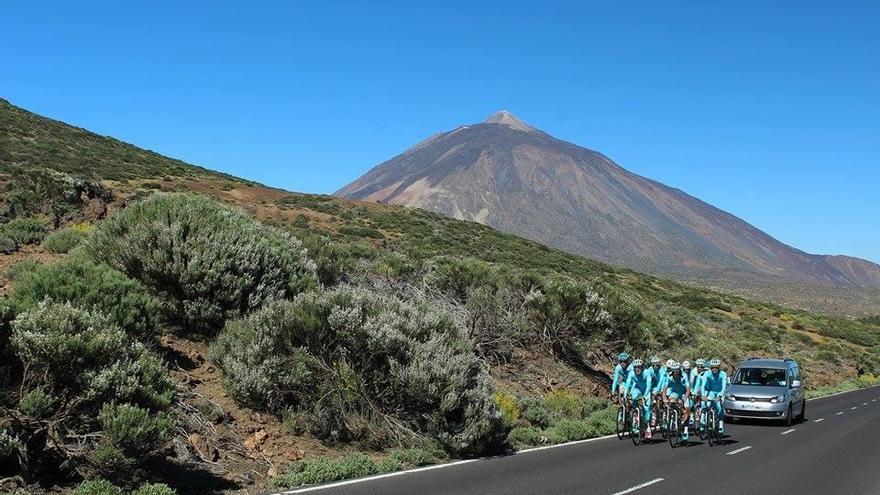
(769, 110)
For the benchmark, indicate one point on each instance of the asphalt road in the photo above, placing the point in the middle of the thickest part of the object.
(836, 450)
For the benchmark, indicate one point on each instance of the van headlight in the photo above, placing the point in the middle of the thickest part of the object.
(730, 397)
(777, 399)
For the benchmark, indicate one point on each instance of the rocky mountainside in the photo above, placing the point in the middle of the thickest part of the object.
(507, 174)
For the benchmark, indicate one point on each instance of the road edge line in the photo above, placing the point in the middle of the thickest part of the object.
(639, 487)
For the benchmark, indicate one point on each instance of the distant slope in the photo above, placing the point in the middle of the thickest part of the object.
(28, 139)
(509, 175)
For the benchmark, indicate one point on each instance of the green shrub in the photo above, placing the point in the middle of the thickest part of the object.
(354, 358)
(23, 230)
(324, 470)
(508, 407)
(8, 245)
(97, 487)
(79, 280)
(209, 261)
(536, 413)
(63, 240)
(527, 435)
(389, 465)
(78, 361)
(568, 430)
(154, 489)
(413, 457)
(603, 421)
(8, 445)
(591, 404)
(134, 430)
(37, 404)
(564, 404)
(14, 272)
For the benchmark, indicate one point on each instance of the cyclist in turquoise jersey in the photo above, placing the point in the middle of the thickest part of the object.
(638, 385)
(678, 389)
(713, 386)
(621, 371)
(696, 379)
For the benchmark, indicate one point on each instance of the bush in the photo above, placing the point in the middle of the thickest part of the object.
(78, 361)
(603, 421)
(367, 367)
(14, 272)
(413, 457)
(527, 435)
(134, 430)
(37, 404)
(63, 240)
(154, 489)
(23, 230)
(536, 413)
(7, 245)
(564, 404)
(97, 487)
(210, 262)
(568, 430)
(591, 404)
(324, 470)
(85, 283)
(508, 407)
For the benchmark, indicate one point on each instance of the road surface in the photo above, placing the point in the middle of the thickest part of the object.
(835, 451)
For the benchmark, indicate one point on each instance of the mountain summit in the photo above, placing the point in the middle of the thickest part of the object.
(514, 177)
(504, 117)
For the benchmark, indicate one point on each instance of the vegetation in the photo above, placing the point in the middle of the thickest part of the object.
(366, 367)
(65, 239)
(78, 373)
(83, 282)
(23, 231)
(208, 262)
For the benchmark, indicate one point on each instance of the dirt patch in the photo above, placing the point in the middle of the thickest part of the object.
(25, 253)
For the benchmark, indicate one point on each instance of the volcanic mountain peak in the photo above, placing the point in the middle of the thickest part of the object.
(504, 117)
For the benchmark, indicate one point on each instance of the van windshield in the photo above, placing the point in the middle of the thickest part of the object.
(764, 377)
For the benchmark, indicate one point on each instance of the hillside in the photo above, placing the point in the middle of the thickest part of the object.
(516, 178)
(533, 328)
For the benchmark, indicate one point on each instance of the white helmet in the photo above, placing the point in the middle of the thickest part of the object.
(674, 366)
(686, 365)
(655, 360)
(636, 363)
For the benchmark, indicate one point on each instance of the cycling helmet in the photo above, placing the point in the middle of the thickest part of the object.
(669, 362)
(637, 363)
(686, 365)
(673, 366)
(655, 360)
(714, 363)
(623, 356)
(701, 362)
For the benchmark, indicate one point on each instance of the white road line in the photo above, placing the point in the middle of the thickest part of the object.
(377, 477)
(873, 400)
(786, 432)
(839, 413)
(576, 442)
(737, 451)
(819, 420)
(864, 403)
(854, 408)
(639, 487)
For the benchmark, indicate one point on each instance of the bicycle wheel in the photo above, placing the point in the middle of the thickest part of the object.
(621, 422)
(712, 427)
(674, 428)
(700, 422)
(636, 428)
(663, 421)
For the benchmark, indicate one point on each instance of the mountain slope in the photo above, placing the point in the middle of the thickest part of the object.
(28, 139)
(511, 176)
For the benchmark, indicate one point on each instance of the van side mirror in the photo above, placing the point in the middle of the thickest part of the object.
(795, 384)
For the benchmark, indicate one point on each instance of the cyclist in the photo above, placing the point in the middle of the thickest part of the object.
(621, 371)
(713, 386)
(638, 385)
(696, 380)
(658, 378)
(678, 389)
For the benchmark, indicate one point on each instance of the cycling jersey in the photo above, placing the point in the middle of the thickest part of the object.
(638, 386)
(696, 380)
(713, 386)
(658, 378)
(620, 376)
(676, 389)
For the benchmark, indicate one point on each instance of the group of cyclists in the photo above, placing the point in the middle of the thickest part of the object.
(692, 390)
